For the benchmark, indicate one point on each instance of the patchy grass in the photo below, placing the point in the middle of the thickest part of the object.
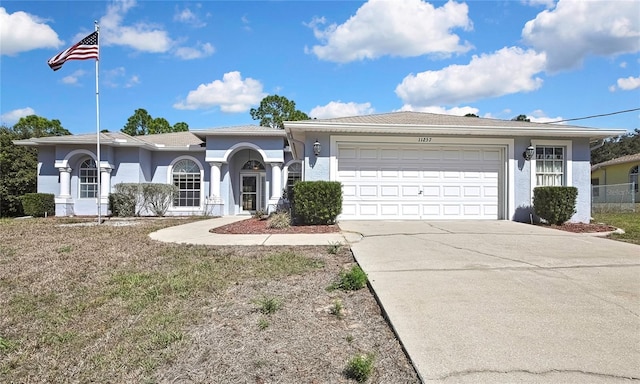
(108, 304)
(629, 221)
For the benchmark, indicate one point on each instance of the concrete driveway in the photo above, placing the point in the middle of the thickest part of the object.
(504, 302)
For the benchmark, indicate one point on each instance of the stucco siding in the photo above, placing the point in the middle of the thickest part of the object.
(127, 166)
(220, 148)
(581, 174)
(47, 173)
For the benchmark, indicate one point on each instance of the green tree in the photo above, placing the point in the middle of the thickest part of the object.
(274, 110)
(521, 118)
(159, 125)
(471, 115)
(624, 145)
(180, 127)
(142, 123)
(19, 164)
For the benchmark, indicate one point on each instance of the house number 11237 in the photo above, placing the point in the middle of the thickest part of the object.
(424, 139)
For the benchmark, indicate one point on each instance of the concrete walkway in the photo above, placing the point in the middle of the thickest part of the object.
(503, 302)
(198, 233)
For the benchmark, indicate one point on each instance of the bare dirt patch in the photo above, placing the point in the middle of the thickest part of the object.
(108, 304)
(258, 226)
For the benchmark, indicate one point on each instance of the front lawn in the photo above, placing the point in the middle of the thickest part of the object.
(108, 304)
(628, 221)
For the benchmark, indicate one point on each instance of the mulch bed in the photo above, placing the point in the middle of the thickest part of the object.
(258, 226)
(584, 227)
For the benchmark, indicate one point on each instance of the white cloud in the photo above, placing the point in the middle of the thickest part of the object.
(117, 77)
(455, 111)
(12, 117)
(536, 3)
(22, 32)
(190, 53)
(626, 84)
(404, 28)
(246, 23)
(623, 64)
(187, 16)
(133, 80)
(73, 78)
(574, 30)
(507, 71)
(232, 94)
(141, 36)
(340, 109)
(539, 116)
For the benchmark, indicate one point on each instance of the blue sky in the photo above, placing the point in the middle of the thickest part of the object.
(207, 63)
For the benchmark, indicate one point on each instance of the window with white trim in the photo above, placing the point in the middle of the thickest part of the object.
(294, 174)
(186, 176)
(88, 179)
(633, 178)
(550, 166)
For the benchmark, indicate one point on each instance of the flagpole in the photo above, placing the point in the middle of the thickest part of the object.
(98, 169)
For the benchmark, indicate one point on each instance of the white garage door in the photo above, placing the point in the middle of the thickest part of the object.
(394, 181)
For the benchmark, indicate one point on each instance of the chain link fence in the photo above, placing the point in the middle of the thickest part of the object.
(613, 198)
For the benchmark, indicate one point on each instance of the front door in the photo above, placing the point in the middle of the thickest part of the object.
(250, 193)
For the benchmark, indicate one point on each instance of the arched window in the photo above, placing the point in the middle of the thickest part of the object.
(88, 179)
(294, 174)
(186, 176)
(633, 178)
(254, 165)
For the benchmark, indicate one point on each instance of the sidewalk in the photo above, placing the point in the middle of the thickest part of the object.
(198, 233)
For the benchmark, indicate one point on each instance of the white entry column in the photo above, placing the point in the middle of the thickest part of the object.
(276, 186)
(65, 182)
(214, 183)
(105, 181)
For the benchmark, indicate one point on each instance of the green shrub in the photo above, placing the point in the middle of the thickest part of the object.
(555, 205)
(38, 204)
(279, 220)
(360, 367)
(351, 280)
(133, 193)
(158, 197)
(122, 205)
(317, 202)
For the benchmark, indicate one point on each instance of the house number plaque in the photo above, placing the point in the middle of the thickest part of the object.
(424, 139)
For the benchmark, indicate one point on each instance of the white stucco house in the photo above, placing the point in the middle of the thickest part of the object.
(401, 165)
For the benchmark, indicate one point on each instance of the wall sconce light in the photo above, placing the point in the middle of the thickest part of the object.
(529, 152)
(317, 148)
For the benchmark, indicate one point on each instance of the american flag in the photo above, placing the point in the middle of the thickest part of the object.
(87, 48)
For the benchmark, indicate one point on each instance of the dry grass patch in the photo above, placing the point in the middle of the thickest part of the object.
(108, 304)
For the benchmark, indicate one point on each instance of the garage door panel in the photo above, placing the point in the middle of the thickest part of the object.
(410, 182)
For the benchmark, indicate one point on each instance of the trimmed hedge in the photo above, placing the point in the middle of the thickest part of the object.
(122, 205)
(555, 205)
(38, 204)
(317, 202)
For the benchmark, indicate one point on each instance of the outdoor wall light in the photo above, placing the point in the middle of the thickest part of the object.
(317, 148)
(529, 152)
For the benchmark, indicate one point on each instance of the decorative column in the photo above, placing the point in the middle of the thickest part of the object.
(65, 182)
(214, 183)
(105, 181)
(214, 205)
(276, 186)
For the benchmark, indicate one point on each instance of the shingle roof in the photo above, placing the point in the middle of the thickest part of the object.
(618, 160)
(173, 139)
(241, 130)
(426, 119)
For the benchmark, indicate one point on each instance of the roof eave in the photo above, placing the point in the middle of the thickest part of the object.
(454, 130)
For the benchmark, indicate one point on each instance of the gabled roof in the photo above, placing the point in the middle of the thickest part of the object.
(173, 139)
(241, 130)
(618, 160)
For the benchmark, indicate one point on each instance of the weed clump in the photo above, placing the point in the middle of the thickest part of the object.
(351, 280)
(360, 367)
